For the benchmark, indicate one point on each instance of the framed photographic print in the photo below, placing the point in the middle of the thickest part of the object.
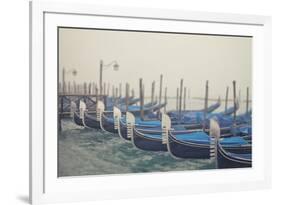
(129, 102)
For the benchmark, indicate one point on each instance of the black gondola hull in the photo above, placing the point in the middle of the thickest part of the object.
(91, 121)
(188, 150)
(148, 144)
(226, 160)
(77, 120)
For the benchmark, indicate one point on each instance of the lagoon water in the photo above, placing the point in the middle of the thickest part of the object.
(85, 151)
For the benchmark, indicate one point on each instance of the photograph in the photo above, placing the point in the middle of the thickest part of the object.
(139, 101)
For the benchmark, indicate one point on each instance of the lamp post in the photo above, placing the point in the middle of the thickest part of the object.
(64, 72)
(103, 67)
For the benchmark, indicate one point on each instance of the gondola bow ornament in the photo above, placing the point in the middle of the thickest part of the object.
(130, 122)
(166, 126)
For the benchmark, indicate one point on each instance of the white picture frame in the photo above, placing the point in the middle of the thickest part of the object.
(46, 187)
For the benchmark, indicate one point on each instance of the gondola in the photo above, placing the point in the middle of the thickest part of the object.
(77, 115)
(154, 127)
(107, 121)
(225, 158)
(77, 120)
(197, 117)
(148, 143)
(90, 111)
(78, 112)
(102, 119)
(209, 109)
(120, 101)
(66, 101)
(232, 160)
(122, 127)
(198, 144)
(180, 143)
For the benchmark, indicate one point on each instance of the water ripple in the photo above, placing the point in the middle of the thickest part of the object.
(92, 152)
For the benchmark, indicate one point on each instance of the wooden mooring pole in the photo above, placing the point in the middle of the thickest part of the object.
(68, 87)
(113, 92)
(133, 93)
(127, 96)
(247, 101)
(234, 103)
(206, 104)
(180, 99)
(177, 100)
(226, 99)
(166, 99)
(104, 88)
(85, 88)
(141, 99)
(90, 88)
(97, 96)
(152, 91)
(108, 88)
(60, 87)
(189, 98)
(94, 89)
(116, 96)
(101, 70)
(160, 89)
(184, 99)
(74, 87)
(120, 90)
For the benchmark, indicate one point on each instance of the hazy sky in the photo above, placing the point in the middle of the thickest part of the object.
(195, 58)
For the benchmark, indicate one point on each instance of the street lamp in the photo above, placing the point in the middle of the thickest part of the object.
(103, 67)
(64, 72)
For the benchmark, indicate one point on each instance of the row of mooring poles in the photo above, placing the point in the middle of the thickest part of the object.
(141, 88)
(78, 89)
(234, 98)
(90, 89)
